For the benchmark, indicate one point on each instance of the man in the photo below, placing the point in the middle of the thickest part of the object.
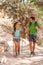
(33, 26)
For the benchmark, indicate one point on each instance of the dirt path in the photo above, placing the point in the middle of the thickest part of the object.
(24, 58)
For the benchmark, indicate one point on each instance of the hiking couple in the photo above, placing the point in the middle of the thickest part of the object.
(32, 27)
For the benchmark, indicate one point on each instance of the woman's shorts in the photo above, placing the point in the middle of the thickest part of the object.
(16, 39)
(32, 37)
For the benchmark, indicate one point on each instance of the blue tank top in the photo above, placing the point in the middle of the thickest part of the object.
(17, 33)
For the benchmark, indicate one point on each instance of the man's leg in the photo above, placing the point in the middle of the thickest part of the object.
(34, 43)
(31, 47)
(31, 44)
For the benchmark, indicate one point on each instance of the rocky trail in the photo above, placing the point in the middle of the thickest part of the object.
(24, 58)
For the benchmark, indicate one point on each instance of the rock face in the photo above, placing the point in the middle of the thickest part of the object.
(6, 28)
(3, 46)
(5, 25)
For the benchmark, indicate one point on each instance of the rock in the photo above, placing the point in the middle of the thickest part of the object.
(3, 59)
(3, 47)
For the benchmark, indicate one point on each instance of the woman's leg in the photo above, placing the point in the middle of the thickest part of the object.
(18, 47)
(15, 48)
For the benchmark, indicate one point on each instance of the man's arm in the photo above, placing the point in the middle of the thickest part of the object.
(38, 27)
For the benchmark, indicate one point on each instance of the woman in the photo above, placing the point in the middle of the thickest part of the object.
(17, 31)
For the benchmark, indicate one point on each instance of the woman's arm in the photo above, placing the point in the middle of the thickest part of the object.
(27, 30)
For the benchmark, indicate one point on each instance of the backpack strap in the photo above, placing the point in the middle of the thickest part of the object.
(30, 24)
(35, 23)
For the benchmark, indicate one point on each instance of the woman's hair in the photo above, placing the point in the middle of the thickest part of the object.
(14, 26)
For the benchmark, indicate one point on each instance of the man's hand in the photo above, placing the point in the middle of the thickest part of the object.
(37, 28)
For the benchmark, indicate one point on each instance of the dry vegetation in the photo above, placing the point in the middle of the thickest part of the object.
(18, 10)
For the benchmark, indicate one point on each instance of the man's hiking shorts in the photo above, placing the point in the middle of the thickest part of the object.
(32, 37)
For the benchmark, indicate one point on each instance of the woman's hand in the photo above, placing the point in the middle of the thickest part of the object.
(27, 30)
(12, 34)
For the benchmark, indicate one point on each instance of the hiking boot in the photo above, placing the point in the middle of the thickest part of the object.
(33, 53)
(15, 55)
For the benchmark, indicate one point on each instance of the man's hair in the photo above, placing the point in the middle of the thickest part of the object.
(33, 18)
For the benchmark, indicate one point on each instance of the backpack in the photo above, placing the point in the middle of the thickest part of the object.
(31, 23)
